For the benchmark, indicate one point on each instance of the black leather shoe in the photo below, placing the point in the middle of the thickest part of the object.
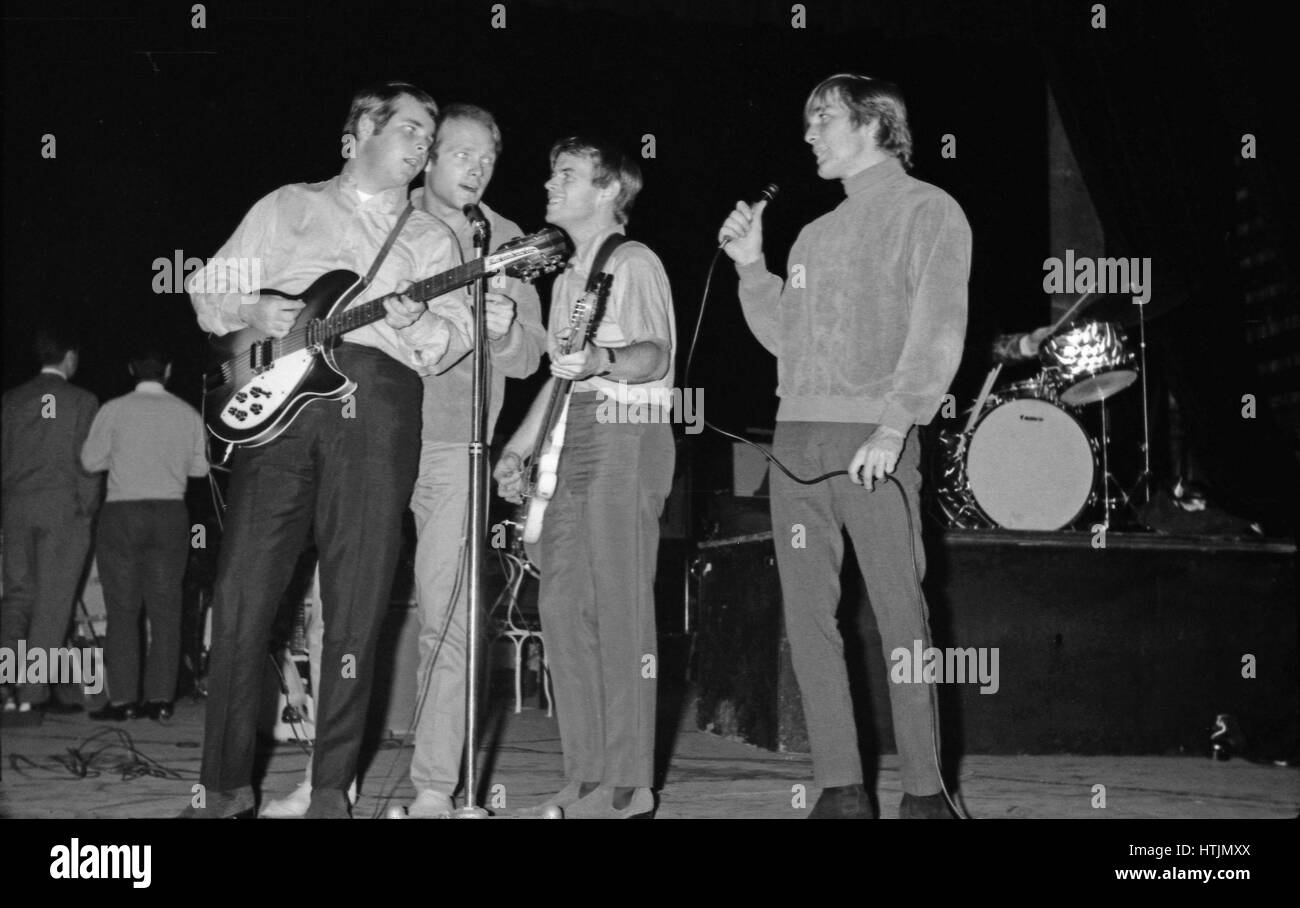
(158, 710)
(843, 802)
(115, 712)
(328, 805)
(925, 807)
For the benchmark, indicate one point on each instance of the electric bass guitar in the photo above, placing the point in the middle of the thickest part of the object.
(543, 471)
(263, 382)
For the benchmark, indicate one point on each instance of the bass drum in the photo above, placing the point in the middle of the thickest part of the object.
(1027, 465)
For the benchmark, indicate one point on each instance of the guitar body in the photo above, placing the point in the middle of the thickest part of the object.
(263, 383)
(544, 471)
(258, 391)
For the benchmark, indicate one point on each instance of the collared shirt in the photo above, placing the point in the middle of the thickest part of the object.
(447, 416)
(303, 230)
(639, 308)
(150, 442)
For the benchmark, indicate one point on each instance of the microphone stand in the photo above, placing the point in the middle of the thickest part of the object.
(477, 526)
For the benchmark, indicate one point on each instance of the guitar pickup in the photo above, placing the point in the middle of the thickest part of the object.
(261, 355)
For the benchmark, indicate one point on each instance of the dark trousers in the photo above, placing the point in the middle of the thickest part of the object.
(597, 557)
(47, 539)
(142, 547)
(347, 468)
(808, 523)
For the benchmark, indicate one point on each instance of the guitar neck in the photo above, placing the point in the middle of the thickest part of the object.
(554, 409)
(421, 291)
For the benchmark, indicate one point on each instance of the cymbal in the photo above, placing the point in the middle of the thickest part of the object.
(1120, 309)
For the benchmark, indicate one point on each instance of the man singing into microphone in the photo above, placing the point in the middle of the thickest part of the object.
(868, 333)
(461, 164)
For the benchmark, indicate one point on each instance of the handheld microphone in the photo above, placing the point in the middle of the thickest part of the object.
(768, 193)
(474, 214)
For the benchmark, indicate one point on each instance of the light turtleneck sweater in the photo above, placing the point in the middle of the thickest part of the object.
(870, 322)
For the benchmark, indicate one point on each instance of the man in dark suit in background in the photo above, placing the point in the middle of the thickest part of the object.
(48, 505)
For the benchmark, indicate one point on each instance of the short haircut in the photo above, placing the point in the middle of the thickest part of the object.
(149, 363)
(378, 101)
(869, 100)
(473, 113)
(608, 163)
(51, 344)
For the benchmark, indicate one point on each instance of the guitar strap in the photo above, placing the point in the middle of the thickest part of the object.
(388, 244)
(612, 242)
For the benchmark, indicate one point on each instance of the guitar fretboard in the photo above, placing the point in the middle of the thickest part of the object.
(427, 289)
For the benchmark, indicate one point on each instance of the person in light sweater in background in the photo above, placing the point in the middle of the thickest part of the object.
(868, 331)
(151, 443)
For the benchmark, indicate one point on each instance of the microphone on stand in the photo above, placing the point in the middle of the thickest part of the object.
(768, 193)
(475, 216)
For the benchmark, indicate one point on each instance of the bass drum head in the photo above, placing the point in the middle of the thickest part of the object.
(1030, 466)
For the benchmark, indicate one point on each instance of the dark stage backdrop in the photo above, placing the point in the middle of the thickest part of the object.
(167, 133)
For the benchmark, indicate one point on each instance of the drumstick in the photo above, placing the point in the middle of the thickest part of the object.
(1069, 314)
(983, 396)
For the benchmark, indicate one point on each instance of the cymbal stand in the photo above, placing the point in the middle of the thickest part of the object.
(1144, 478)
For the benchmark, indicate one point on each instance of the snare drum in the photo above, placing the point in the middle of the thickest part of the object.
(1027, 465)
(1089, 363)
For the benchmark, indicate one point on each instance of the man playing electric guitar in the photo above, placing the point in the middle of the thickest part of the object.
(600, 538)
(345, 468)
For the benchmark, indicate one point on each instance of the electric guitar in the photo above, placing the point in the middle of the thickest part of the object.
(264, 382)
(543, 471)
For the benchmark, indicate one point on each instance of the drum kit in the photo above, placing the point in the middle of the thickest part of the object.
(1025, 460)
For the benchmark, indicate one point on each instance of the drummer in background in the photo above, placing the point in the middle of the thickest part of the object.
(1011, 348)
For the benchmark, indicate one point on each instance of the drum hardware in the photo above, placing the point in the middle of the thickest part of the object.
(1088, 363)
(1144, 479)
(1107, 477)
(1024, 460)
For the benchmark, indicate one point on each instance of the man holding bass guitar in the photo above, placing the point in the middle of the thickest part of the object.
(346, 467)
(599, 534)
